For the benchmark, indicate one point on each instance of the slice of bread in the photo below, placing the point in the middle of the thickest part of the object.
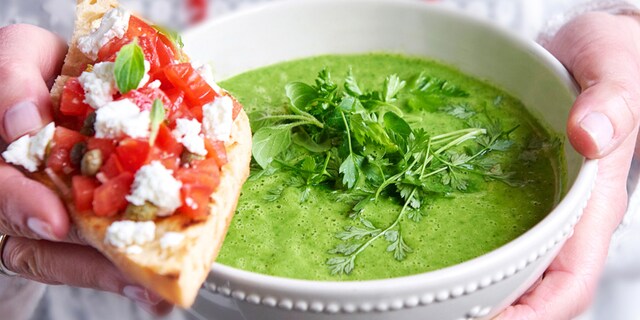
(176, 274)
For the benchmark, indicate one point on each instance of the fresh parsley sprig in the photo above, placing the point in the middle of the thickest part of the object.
(358, 142)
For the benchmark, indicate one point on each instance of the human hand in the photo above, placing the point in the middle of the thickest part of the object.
(42, 245)
(602, 52)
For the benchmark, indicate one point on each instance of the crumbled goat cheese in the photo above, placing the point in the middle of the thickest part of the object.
(133, 250)
(171, 240)
(188, 132)
(114, 24)
(122, 234)
(155, 183)
(155, 84)
(218, 118)
(204, 70)
(29, 152)
(99, 85)
(119, 118)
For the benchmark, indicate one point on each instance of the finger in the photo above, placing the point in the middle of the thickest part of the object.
(30, 59)
(605, 63)
(70, 264)
(30, 209)
(573, 275)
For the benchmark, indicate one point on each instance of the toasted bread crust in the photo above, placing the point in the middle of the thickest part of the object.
(177, 273)
(87, 11)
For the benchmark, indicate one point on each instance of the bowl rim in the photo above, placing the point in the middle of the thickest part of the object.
(555, 219)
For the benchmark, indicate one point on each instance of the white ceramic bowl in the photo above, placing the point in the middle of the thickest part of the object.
(476, 289)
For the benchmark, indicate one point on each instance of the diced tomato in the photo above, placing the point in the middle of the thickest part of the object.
(166, 50)
(72, 100)
(59, 159)
(83, 188)
(109, 51)
(168, 160)
(195, 177)
(112, 168)
(144, 98)
(208, 167)
(136, 29)
(179, 111)
(166, 142)
(197, 91)
(106, 146)
(110, 198)
(65, 138)
(133, 154)
(216, 150)
(237, 107)
(195, 201)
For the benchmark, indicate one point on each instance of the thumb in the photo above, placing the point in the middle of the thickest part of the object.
(30, 59)
(601, 52)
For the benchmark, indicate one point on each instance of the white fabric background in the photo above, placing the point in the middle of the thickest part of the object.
(621, 282)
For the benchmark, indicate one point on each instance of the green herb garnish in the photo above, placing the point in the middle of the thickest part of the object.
(129, 67)
(157, 117)
(174, 37)
(358, 143)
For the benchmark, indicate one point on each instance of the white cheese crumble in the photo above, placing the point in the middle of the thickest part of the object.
(155, 84)
(134, 250)
(188, 132)
(218, 118)
(204, 70)
(121, 118)
(171, 240)
(122, 234)
(99, 85)
(29, 152)
(114, 24)
(155, 183)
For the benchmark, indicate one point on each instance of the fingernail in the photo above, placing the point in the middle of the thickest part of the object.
(42, 229)
(22, 118)
(141, 295)
(599, 128)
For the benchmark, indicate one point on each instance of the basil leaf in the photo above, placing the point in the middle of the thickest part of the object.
(129, 67)
(157, 117)
(269, 142)
(301, 95)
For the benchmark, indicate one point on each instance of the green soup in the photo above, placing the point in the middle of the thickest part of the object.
(275, 233)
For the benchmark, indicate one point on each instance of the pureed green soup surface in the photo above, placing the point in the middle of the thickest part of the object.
(275, 233)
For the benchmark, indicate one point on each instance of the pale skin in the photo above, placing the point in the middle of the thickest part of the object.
(601, 51)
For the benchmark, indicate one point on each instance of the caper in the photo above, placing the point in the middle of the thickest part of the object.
(77, 153)
(91, 162)
(145, 212)
(188, 158)
(87, 127)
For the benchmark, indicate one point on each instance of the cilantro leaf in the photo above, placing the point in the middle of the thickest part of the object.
(350, 169)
